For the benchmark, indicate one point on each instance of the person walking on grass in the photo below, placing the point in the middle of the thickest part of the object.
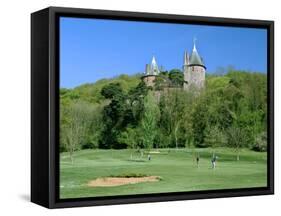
(213, 161)
(197, 160)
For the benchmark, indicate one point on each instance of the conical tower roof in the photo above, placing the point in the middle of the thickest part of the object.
(195, 58)
(154, 67)
(151, 69)
(185, 58)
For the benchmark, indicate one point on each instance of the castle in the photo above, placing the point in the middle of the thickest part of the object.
(193, 69)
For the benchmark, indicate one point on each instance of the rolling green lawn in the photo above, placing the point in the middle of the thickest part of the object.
(177, 169)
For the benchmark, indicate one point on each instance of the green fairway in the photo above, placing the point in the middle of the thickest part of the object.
(177, 169)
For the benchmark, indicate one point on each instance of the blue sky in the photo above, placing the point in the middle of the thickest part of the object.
(93, 49)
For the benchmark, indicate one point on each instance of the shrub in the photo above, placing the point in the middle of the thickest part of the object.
(260, 144)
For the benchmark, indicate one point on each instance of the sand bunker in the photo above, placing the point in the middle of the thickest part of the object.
(116, 181)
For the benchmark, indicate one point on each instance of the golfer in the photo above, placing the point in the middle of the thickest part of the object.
(197, 160)
(214, 159)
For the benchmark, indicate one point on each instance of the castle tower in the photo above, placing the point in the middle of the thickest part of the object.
(185, 60)
(151, 72)
(194, 70)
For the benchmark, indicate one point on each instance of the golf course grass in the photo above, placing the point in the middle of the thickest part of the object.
(177, 170)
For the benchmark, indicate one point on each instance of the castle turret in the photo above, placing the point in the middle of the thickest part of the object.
(185, 60)
(154, 67)
(151, 72)
(194, 71)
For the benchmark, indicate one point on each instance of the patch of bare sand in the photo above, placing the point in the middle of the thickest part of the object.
(117, 181)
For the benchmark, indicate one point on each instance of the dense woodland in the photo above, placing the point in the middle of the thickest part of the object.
(123, 112)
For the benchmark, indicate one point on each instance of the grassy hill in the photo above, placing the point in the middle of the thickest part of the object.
(91, 92)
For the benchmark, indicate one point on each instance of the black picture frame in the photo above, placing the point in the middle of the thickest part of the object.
(45, 106)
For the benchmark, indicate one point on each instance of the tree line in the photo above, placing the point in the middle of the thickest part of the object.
(231, 111)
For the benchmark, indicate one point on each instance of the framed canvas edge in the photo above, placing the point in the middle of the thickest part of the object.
(54, 202)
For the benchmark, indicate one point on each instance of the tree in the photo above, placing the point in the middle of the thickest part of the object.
(74, 129)
(136, 102)
(178, 99)
(112, 90)
(260, 144)
(252, 124)
(200, 121)
(124, 109)
(150, 120)
(161, 82)
(176, 77)
(131, 138)
(113, 115)
(173, 107)
(165, 121)
(214, 137)
(187, 127)
(95, 125)
(235, 139)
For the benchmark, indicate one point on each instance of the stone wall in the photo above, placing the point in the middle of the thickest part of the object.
(149, 80)
(194, 77)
